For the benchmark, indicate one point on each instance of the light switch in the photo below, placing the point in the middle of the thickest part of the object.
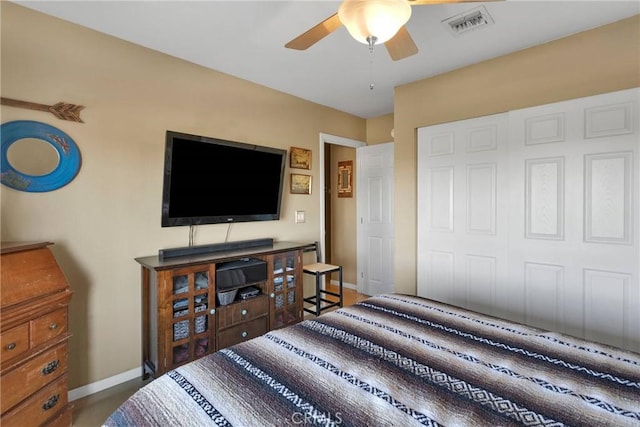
(299, 216)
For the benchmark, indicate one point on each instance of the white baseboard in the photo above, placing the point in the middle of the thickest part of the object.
(345, 285)
(86, 390)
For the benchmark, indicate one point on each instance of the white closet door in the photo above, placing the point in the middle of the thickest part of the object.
(461, 229)
(564, 254)
(574, 220)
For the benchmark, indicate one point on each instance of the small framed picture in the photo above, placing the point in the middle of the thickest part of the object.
(345, 178)
(300, 184)
(300, 158)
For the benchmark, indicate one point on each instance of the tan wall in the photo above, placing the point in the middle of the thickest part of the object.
(379, 129)
(601, 60)
(343, 218)
(110, 213)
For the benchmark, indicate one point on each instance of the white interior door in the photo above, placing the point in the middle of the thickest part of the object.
(538, 221)
(375, 218)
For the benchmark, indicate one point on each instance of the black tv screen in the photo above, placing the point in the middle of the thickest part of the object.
(209, 180)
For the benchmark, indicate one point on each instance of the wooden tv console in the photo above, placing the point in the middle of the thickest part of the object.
(182, 318)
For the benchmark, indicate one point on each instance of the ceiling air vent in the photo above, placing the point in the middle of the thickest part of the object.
(468, 21)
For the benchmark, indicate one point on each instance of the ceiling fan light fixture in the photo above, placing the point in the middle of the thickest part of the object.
(365, 19)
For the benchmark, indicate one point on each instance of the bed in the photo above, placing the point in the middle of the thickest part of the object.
(397, 360)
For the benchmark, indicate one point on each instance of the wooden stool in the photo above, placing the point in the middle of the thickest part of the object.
(320, 270)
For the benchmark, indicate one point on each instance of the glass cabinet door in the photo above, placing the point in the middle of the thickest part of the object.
(191, 305)
(286, 297)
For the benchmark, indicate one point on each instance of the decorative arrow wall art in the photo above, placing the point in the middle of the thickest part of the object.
(61, 110)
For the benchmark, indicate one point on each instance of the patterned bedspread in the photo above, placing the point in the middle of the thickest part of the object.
(397, 360)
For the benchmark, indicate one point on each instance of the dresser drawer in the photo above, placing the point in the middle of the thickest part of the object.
(31, 376)
(14, 342)
(239, 312)
(65, 419)
(48, 326)
(29, 274)
(242, 332)
(43, 405)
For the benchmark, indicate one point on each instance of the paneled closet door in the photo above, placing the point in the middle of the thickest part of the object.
(462, 212)
(564, 254)
(574, 221)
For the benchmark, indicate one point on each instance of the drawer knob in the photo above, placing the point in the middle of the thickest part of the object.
(212, 311)
(53, 401)
(53, 326)
(244, 312)
(11, 346)
(272, 295)
(51, 367)
(244, 334)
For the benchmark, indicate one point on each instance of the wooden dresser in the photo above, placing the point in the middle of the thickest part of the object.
(34, 299)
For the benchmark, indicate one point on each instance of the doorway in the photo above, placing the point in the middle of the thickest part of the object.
(329, 228)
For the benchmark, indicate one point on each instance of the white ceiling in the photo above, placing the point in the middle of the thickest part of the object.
(246, 39)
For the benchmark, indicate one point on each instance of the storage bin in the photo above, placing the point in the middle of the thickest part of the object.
(227, 297)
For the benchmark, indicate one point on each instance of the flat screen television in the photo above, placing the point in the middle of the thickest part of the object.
(209, 181)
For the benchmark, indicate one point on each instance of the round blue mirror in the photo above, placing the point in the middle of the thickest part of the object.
(36, 157)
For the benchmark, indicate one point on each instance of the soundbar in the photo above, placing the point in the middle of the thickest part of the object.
(214, 247)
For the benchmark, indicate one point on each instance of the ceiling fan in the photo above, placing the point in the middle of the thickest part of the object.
(371, 22)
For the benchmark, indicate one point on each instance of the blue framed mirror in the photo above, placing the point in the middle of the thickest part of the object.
(36, 157)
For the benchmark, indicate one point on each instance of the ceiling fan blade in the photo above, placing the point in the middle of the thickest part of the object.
(401, 45)
(420, 2)
(315, 34)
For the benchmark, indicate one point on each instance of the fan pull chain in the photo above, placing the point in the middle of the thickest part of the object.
(371, 84)
(372, 41)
